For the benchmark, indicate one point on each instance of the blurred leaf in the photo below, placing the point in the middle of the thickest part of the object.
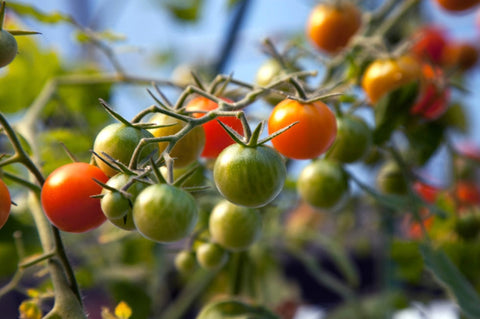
(234, 309)
(233, 3)
(453, 281)
(455, 118)
(408, 259)
(186, 10)
(105, 35)
(424, 139)
(392, 110)
(31, 11)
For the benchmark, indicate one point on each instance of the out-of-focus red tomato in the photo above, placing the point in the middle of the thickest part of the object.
(467, 193)
(460, 55)
(429, 44)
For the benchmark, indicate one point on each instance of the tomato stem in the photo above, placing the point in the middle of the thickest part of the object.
(2, 15)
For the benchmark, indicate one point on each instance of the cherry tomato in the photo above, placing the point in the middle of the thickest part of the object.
(113, 204)
(185, 262)
(310, 137)
(211, 256)
(269, 72)
(457, 5)
(460, 55)
(234, 227)
(125, 223)
(5, 203)
(353, 141)
(249, 176)
(467, 193)
(385, 75)
(119, 141)
(323, 184)
(8, 48)
(66, 197)
(216, 139)
(331, 26)
(164, 213)
(429, 44)
(434, 95)
(390, 179)
(188, 148)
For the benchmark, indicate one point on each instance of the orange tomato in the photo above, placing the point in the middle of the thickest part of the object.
(461, 55)
(385, 75)
(310, 137)
(457, 5)
(330, 26)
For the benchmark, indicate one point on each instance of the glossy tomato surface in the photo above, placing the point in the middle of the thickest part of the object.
(310, 137)
(385, 75)
(216, 138)
(331, 26)
(5, 203)
(66, 197)
(249, 176)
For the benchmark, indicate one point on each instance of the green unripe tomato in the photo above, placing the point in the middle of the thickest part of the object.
(185, 262)
(165, 213)
(115, 205)
(249, 176)
(125, 223)
(8, 48)
(119, 142)
(211, 256)
(234, 227)
(390, 179)
(323, 184)
(271, 70)
(353, 140)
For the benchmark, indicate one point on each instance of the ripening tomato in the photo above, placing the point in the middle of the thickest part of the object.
(460, 55)
(119, 141)
(216, 138)
(188, 148)
(310, 137)
(66, 197)
(5, 203)
(385, 75)
(429, 44)
(457, 5)
(8, 48)
(164, 213)
(331, 26)
(434, 95)
(234, 227)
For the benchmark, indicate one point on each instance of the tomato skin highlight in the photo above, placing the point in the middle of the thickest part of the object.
(330, 27)
(66, 197)
(249, 176)
(314, 133)
(5, 203)
(385, 75)
(164, 213)
(216, 139)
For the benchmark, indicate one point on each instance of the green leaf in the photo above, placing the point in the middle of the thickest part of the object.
(105, 35)
(453, 280)
(31, 11)
(424, 139)
(392, 110)
(234, 309)
(186, 10)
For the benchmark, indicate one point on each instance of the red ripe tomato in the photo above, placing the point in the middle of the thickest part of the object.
(429, 44)
(467, 193)
(460, 55)
(66, 197)
(434, 96)
(216, 138)
(5, 203)
(310, 137)
(457, 5)
(330, 26)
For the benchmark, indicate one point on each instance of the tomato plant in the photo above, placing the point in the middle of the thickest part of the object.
(5, 203)
(8, 48)
(385, 75)
(119, 141)
(66, 197)
(164, 213)
(310, 137)
(323, 184)
(234, 227)
(216, 139)
(188, 148)
(250, 176)
(353, 140)
(331, 26)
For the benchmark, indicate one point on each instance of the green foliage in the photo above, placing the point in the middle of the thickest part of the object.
(234, 309)
(185, 10)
